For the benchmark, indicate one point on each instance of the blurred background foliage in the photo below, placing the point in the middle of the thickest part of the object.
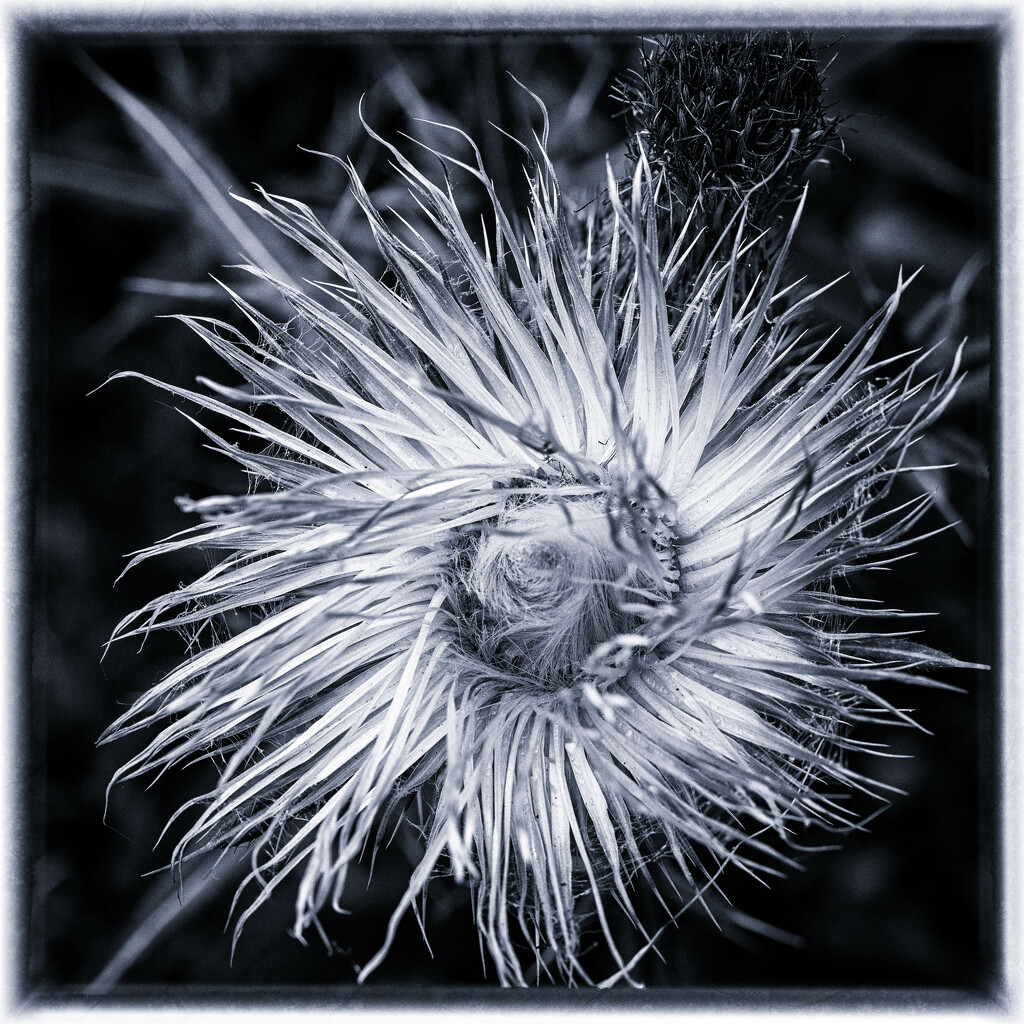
(133, 143)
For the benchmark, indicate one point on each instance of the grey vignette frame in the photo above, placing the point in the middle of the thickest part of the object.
(695, 994)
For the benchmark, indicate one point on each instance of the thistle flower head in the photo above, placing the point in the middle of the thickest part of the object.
(720, 112)
(516, 546)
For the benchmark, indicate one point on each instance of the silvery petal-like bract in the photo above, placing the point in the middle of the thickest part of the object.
(564, 563)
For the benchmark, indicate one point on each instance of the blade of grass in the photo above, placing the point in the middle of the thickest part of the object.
(187, 166)
(161, 915)
(140, 192)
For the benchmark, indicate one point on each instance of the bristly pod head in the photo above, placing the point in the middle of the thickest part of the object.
(721, 112)
(566, 567)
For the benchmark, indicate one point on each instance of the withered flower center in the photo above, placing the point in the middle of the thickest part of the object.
(547, 585)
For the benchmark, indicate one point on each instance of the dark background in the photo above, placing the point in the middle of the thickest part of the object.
(116, 236)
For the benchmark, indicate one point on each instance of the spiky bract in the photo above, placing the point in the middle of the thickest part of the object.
(565, 573)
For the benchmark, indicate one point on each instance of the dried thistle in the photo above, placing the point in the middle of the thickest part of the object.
(729, 120)
(524, 563)
(719, 113)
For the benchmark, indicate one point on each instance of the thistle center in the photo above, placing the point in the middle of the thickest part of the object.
(548, 583)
